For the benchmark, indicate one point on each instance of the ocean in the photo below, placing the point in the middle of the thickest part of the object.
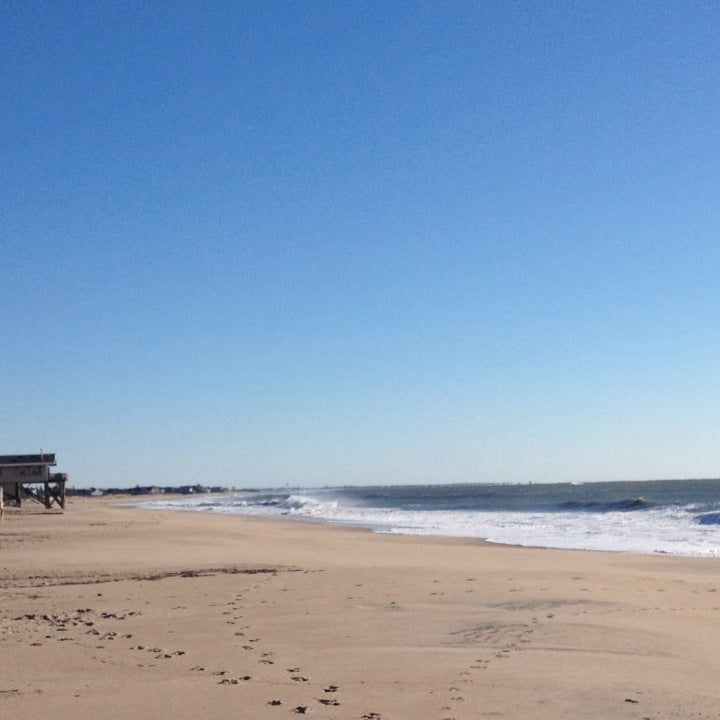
(678, 517)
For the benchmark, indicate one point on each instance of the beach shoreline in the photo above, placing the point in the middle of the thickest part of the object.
(646, 517)
(126, 612)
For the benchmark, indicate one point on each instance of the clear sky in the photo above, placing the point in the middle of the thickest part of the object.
(259, 243)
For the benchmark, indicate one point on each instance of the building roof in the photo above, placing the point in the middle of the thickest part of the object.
(42, 459)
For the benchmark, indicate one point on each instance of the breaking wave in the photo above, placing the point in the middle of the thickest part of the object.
(629, 505)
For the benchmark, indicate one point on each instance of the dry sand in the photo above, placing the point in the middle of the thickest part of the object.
(108, 612)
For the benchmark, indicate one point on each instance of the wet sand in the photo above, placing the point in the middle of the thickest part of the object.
(113, 612)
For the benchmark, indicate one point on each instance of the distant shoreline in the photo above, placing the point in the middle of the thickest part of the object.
(152, 490)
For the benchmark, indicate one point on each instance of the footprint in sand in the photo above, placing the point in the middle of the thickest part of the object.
(234, 681)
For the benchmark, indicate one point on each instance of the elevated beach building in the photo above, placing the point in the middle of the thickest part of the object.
(29, 477)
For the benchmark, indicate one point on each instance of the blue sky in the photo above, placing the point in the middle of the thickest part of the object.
(329, 243)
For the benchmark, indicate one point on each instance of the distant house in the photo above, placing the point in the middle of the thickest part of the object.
(29, 476)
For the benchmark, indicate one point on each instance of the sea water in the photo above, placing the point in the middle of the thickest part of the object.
(680, 517)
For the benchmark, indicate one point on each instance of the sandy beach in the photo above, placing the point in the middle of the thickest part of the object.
(115, 612)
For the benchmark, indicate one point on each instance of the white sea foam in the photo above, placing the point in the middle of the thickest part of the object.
(663, 530)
